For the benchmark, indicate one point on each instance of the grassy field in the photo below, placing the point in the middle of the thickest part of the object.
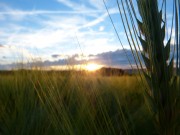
(50, 103)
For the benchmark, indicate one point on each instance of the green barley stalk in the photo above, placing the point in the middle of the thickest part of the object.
(149, 33)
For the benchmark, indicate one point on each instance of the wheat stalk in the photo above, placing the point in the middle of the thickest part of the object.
(150, 33)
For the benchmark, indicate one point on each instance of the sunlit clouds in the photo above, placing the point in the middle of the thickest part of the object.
(46, 31)
(35, 30)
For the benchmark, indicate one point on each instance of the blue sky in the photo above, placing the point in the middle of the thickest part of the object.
(32, 30)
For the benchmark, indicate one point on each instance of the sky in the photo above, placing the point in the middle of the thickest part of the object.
(53, 31)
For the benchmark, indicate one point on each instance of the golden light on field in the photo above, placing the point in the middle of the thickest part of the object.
(92, 67)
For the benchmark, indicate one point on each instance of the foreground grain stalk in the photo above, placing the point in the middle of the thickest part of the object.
(162, 93)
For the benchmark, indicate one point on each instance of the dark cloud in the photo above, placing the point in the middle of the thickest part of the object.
(113, 58)
(116, 58)
(7, 66)
(55, 55)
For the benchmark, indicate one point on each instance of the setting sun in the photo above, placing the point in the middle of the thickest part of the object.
(92, 67)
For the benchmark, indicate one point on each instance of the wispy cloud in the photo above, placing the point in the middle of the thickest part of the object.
(55, 30)
(98, 4)
(41, 33)
(96, 21)
(69, 3)
(39, 12)
(73, 5)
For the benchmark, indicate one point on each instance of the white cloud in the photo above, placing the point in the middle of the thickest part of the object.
(98, 4)
(69, 3)
(9, 54)
(56, 30)
(101, 28)
(96, 21)
(73, 5)
(42, 33)
(39, 12)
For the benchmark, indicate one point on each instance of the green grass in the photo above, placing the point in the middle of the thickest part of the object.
(42, 103)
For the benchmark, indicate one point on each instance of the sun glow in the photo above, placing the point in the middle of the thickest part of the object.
(92, 67)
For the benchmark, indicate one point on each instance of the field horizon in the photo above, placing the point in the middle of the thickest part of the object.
(91, 104)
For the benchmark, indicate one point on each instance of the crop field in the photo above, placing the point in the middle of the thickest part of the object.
(90, 67)
(39, 102)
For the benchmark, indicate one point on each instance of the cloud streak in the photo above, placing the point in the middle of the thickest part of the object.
(39, 12)
(73, 5)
